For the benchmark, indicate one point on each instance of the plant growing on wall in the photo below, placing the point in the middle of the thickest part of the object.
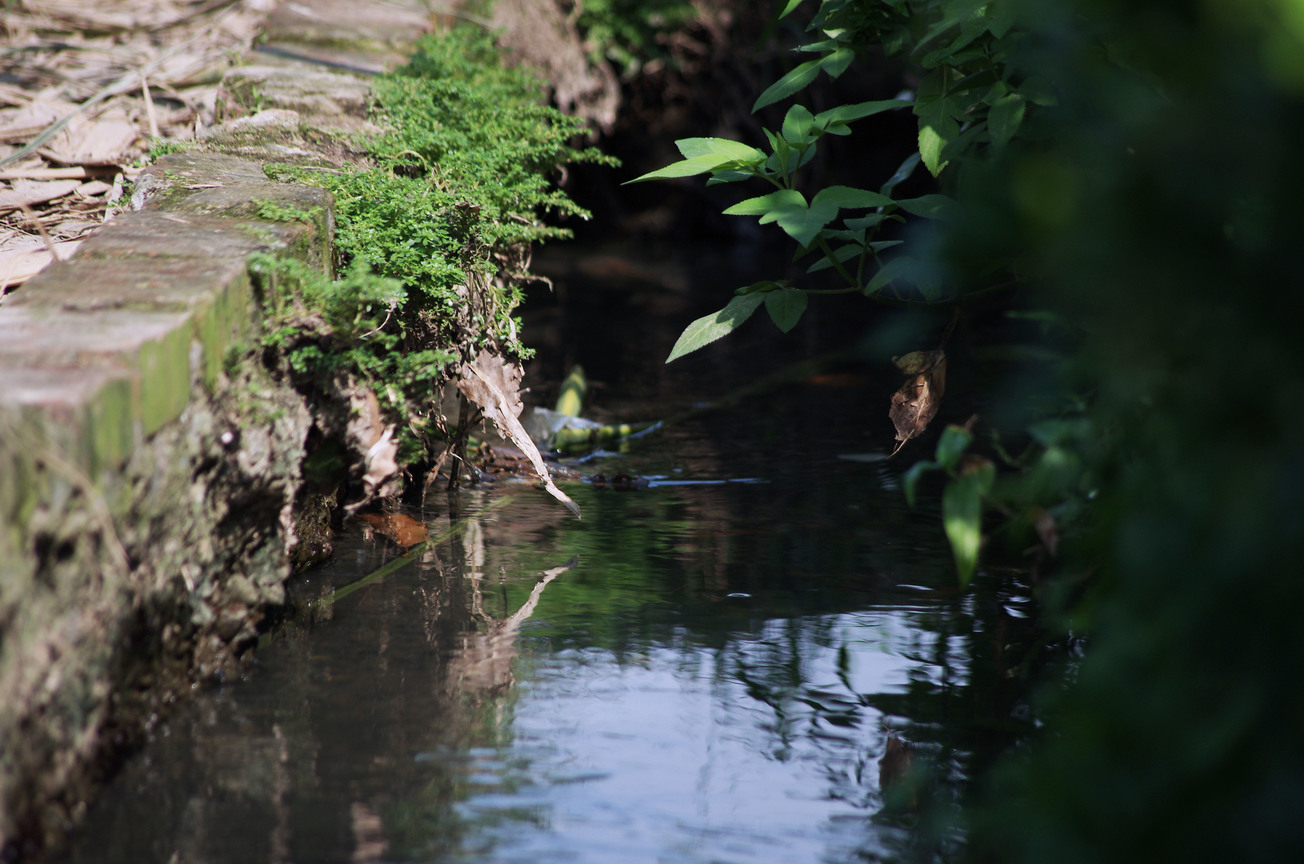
(436, 228)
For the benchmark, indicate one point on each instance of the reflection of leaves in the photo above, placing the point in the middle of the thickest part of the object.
(894, 776)
(916, 403)
(494, 386)
(399, 527)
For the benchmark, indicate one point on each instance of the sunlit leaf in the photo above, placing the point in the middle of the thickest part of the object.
(797, 124)
(788, 208)
(709, 328)
(795, 80)
(682, 168)
(792, 4)
(785, 307)
(931, 143)
(764, 204)
(727, 149)
(703, 155)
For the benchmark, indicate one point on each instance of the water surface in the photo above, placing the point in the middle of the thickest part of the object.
(703, 670)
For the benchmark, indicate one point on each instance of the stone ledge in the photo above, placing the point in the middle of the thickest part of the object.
(149, 464)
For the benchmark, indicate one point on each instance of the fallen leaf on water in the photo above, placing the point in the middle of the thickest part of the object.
(495, 387)
(915, 404)
(402, 529)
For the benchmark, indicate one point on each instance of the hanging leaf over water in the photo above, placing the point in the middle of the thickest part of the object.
(915, 404)
(495, 387)
(709, 328)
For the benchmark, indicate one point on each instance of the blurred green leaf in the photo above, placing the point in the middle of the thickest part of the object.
(951, 446)
(962, 510)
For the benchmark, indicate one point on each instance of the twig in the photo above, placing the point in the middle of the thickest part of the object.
(150, 113)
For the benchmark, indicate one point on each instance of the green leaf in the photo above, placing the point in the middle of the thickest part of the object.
(726, 149)
(792, 4)
(785, 307)
(903, 172)
(933, 206)
(703, 155)
(954, 12)
(842, 254)
(850, 198)
(788, 208)
(763, 204)
(893, 269)
(683, 168)
(836, 63)
(962, 511)
(796, 79)
(709, 328)
(951, 446)
(797, 125)
(911, 480)
(1004, 119)
(937, 127)
(858, 111)
(862, 223)
(930, 149)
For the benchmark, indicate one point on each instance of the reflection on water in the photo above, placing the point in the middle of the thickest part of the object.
(698, 671)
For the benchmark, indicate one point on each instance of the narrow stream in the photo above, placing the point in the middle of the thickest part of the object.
(705, 669)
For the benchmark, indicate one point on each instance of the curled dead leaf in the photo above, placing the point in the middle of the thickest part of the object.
(915, 404)
(494, 385)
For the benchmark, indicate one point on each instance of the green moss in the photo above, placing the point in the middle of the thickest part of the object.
(432, 229)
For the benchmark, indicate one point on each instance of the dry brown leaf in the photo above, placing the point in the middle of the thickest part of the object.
(915, 404)
(93, 142)
(25, 193)
(399, 527)
(495, 387)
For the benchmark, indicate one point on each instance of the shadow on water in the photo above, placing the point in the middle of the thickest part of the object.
(697, 671)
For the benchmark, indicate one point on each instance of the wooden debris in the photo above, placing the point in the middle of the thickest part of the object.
(87, 85)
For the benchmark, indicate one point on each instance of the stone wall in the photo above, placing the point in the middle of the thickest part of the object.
(149, 463)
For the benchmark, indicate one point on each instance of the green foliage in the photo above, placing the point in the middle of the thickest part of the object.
(458, 183)
(327, 328)
(275, 212)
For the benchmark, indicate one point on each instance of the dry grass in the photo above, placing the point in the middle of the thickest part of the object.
(85, 86)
